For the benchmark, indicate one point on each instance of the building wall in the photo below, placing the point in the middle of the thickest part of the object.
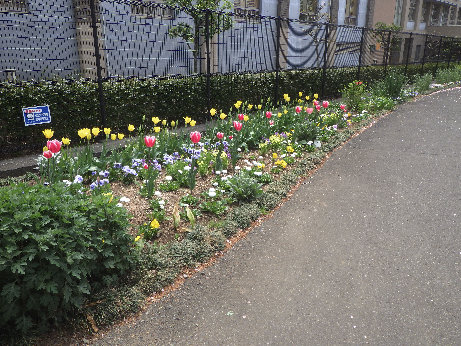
(39, 44)
(383, 11)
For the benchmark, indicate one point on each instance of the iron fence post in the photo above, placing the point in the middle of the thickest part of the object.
(424, 55)
(438, 54)
(102, 105)
(325, 56)
(449, 54)
(360, 54)
(408, 53)
(277, 61)
(208, 62)
(388, 52)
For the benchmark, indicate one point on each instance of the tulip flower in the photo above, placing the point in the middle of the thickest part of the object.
(300, 94)
(212, 111)
(155, 120)
(325, 104)
(309, 110)
(268, 115)
(48, 154)
(54, 146)
(48, 133)
(192, 123)
(343, 107)
(145, 166)
(157, 129)
(307, 98)
(131, 128)
(150, 141)
(317, 108)
(271, 122)
(250, 106)
(65, 141)
(298, 109)
(241, 117)
(246, 117)
(173, 124)
(316, 103)
(164, 122)
(223, 116)
(107, 130)
(260, 106)
(187, 120)
(83, 133)
(316, 96)
(230, 137)
(120, 135)
(195, 137)
(220, 135)
(279, 115)
(95, 131)
(113, 136)
(237, 126)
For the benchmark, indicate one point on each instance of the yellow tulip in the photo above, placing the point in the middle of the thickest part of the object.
(212, 111)
(120, 135)
(173, 123)
(316, 96)
(246, 117)
(307, 98)
(113, 136)
(155, 120)
(285, 111)
(250, 106)
(193, 122)
(95, 131)
(107, 130)
(300, 94)
(299, 101)
(130, 128)
(288, 99)
(83, 133)
(65, 141)
(154, 224)
(48, 133)
(285, 96)
(45, 148)
(88, 136)
(187, 120)
(157, 129)
(260, 106)
(223, 116)
(279, 115)
(238, 104)
(164, 122)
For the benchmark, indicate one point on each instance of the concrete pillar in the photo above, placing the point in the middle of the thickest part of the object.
(362, 13)
(341, 12)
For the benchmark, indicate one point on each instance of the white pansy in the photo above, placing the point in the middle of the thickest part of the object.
(211, 193)
(237, 168)
(258, 173)
(224, 171)
(180, 172)
(218, 172)
(187, 168)
(157, 193)
(215, 184)
(169, 178)
(124, 199)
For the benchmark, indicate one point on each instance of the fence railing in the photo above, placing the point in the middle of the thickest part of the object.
(107, 39)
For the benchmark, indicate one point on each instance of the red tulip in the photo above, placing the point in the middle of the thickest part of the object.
(237, 126)
(309, 110)
(316, 103)
(241, 117)
(145, 166)
(298, 109)
(54, 146)
(343, 107)
(220, 135)
(48, 154)
(230, 137)
(150, 141)
(195, 137)
(325, 104)
(268, 115)
(271, 122)
(317, 107)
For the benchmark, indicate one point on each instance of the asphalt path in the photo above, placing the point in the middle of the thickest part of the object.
(367, 251)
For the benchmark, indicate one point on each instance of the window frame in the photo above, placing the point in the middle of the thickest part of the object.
(14, 6)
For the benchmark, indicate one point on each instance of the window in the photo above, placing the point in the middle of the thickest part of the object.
(151, 9)
(452, 20)
(398, 12)
(445, 12)
(17, 6)
(308, 10)
(244, 8)
(412, 11)
(435, 15)
(351, 12)
(426, 12)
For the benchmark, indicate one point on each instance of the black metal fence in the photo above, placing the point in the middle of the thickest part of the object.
(111, 39)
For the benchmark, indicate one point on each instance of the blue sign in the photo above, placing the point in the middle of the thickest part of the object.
(36, 115)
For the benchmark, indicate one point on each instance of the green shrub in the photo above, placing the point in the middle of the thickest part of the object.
(57, 246)
(423, 82)
(391, 86)
(448, 76)
(244, 188)
(355, 96)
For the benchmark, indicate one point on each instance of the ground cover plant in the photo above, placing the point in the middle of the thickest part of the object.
(185, 194)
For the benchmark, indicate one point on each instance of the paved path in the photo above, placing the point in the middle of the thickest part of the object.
(367, 251)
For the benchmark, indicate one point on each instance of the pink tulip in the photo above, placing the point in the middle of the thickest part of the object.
(220, 135)
(268, 115)
(145, 166)
(343, 107)
(325, 104)
(241, 117)
(54, 146)
(317, 108)
(230, 137)
(237, 126)
(150, 141)
(48, 154)
(195, 137)
(316, 103)
(309, 110)
(271, 122)
(298, 109)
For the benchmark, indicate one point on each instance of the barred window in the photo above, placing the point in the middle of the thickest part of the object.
(308, 10)
(452, 15)
(151, 9)
(18, 6)
(246, 7)
(445, 13)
